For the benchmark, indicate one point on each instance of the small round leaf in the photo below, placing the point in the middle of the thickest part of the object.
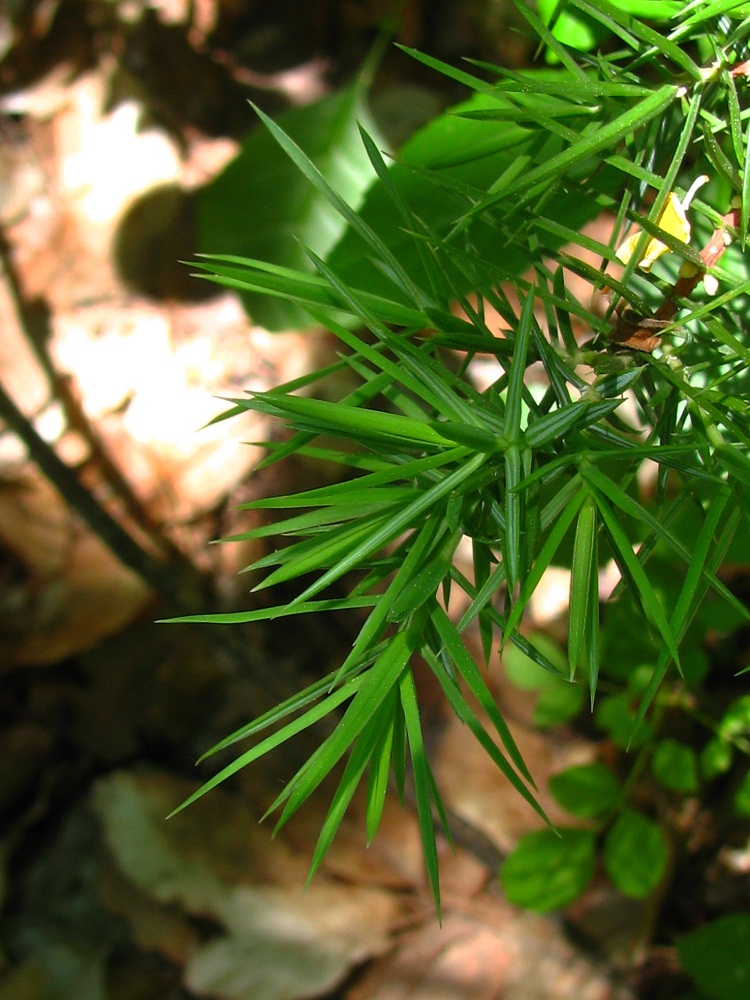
(558, 703)
(578, 30)
(614, 714)
(736, 721)
(528, 675)
(716, 758)
(549, 869)
(587, 791)
(675, 766)
(635, 854)
(717, 956)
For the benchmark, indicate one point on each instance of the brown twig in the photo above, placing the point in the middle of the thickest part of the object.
(34, 318)
(643, 333)
(85, 504)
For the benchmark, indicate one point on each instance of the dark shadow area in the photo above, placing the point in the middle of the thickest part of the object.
(154, 239)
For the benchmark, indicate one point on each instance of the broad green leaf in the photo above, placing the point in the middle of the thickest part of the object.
(558, 703)
(717, 956)
(587, 146)
(615, 715)
(736, 719)
(462, 150)
(549, 869)
(635, 854)
(571, 27)
(241, 211)
(621, 22)
(675, 766)
(715, 758)
(410, 222)
(652, 10)
(526, 673)
(438, 174)
(587, 790)
(555, 48)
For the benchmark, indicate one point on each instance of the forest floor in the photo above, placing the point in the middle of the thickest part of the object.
(118, 359)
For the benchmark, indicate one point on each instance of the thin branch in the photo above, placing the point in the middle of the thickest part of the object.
(641, 333)
(156, 574)
(34, 318)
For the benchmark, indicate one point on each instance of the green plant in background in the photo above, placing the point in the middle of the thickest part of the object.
(479, 211)
(279, 228)
(717, 957)
(634, 847)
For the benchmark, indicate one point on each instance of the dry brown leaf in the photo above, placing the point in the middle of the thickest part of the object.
(155, 928)
(486, 952)
(277, 942)
(68, 590)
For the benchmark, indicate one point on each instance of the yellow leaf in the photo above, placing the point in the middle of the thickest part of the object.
(672, 220)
